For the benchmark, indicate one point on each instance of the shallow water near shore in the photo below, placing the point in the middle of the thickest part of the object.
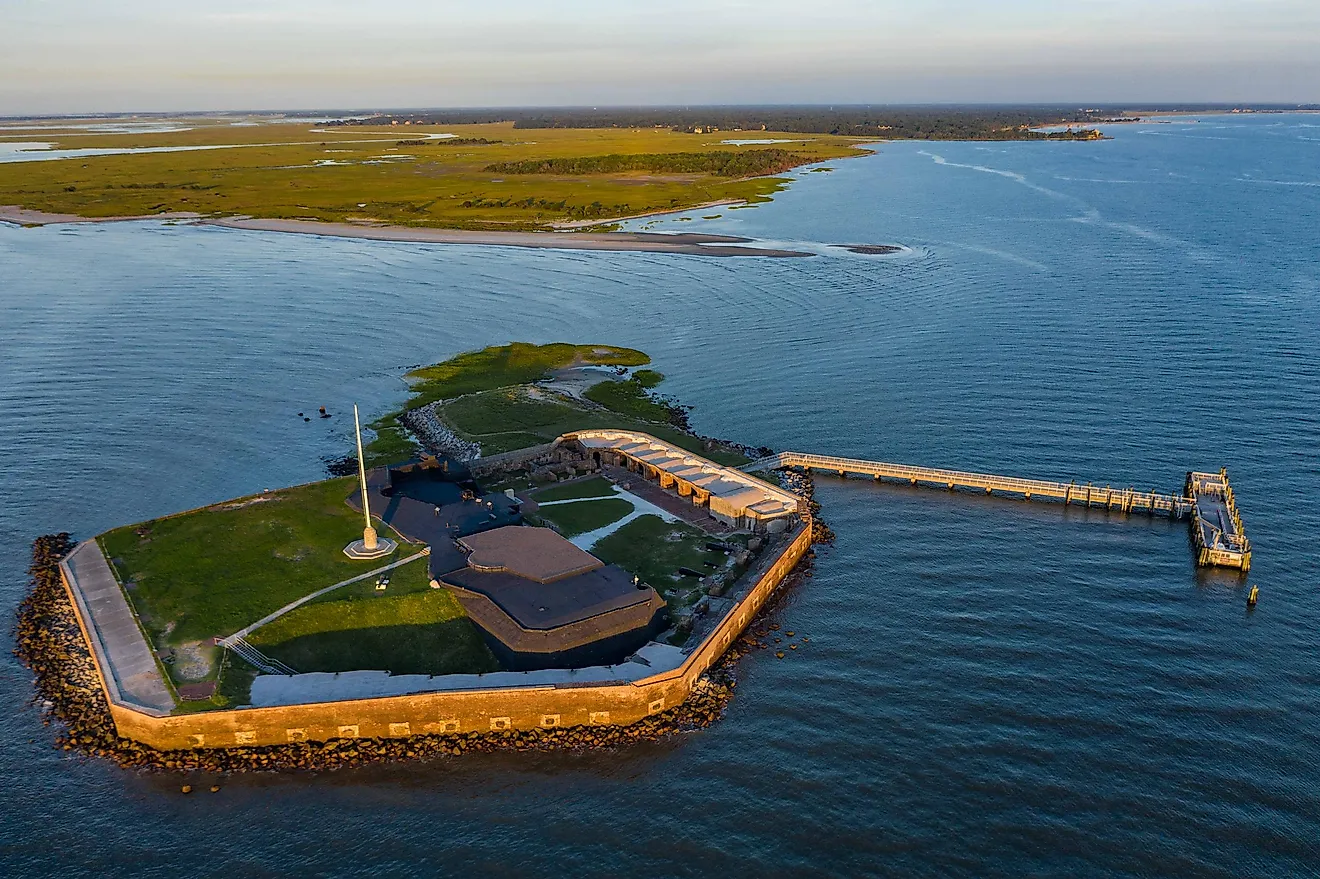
(990, 688)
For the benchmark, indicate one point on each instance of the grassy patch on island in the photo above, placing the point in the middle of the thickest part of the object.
(211, 572)
(629, 398)
(543, 418)
(579, 517)
(408, 629)
(654, 550)
(491, 369)
(501, 366)
(595, 486)
(491, 402)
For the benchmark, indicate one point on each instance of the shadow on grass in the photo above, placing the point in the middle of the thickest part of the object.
(448, 647)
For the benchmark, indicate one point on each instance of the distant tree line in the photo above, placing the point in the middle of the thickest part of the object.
(887, 122)
(917, 123)
(741, 163)
(592, 211)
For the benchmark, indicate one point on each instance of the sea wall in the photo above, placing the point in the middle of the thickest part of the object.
(509, 460)
(480, 711)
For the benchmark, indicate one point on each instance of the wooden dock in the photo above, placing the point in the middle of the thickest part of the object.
(1207, 498)
(1216, 525)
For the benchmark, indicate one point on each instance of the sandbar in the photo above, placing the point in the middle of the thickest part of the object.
(691, 243)
(871, 249)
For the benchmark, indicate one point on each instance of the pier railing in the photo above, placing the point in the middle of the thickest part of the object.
(1121, 499)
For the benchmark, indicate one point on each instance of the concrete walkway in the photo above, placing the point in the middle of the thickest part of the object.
(121, 649)
(641, 507)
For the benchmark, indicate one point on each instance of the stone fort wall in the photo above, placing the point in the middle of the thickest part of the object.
(455, 711)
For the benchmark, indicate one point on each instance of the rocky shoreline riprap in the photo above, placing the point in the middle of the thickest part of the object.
(802, 484)
(435, 436)
(50, 643)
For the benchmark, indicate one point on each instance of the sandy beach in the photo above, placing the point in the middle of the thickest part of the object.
(12, 213)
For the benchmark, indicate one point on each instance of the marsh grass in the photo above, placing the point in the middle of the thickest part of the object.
(273, 172)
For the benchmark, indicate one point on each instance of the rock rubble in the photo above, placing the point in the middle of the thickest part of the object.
(435, 436)
(50, 643)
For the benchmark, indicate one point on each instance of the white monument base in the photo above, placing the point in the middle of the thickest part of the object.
(358, 549)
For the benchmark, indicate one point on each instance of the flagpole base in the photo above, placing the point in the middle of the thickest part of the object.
(358, 549)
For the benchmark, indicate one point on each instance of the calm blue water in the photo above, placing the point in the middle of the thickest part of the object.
(992, 688)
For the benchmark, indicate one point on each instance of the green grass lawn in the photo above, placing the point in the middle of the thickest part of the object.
(501, 366)
(531, 421)
(490, 369)
(654, 550)
(628, 398)
(211, 572)
(403, 632)
(412, 577)
(490, 403)
(595, 486)
(580, 517)
(489, 416)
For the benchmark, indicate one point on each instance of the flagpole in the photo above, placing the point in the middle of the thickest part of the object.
(371, 546)
(362, 472)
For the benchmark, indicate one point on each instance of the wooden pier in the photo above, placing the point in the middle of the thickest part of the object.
(1207, 499)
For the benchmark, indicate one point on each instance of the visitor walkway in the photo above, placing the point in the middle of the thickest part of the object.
(1125, 500)
(640, 507)
(128, 665)
(1207, 498)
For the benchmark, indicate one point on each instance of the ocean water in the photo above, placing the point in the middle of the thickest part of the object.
(991, 688)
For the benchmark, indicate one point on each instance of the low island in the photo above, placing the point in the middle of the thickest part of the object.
(535, 552)
(557, 560)
(513, 178)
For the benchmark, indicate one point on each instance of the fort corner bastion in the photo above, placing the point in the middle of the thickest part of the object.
(547, 678)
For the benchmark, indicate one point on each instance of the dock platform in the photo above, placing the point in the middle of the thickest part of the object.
(1216, 524)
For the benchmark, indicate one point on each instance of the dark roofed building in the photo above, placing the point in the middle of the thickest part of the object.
(430, 502)
(543, 603)
(538, 554)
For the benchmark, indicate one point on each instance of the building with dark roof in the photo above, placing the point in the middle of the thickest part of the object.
(541, 602)
(430, 502)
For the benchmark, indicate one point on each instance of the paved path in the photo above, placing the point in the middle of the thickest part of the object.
(120, 646)
(292, 605)
(641, 507)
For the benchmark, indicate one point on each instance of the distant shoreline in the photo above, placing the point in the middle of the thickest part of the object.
(689, 243)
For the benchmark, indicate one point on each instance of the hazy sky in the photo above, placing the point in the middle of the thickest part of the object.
(61, 56)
